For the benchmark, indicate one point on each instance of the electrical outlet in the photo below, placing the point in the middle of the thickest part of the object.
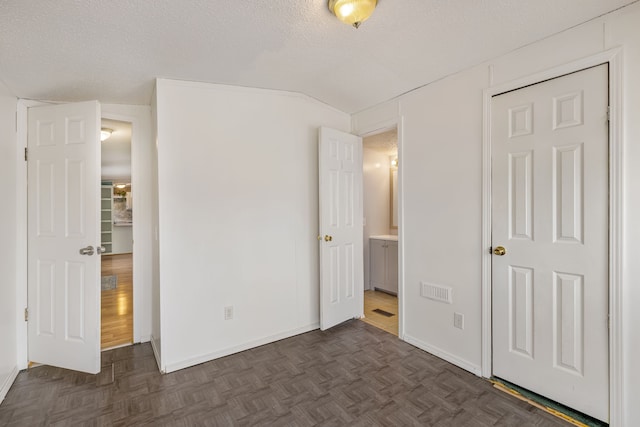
(458, 320)
(228, 312)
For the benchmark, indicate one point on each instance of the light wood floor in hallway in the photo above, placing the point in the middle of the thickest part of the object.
(117, 304)
(382, 301)
(351, 375)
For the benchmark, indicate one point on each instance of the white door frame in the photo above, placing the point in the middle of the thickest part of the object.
(137, 282)
(142, 296)
(374, 129)
(612, 57)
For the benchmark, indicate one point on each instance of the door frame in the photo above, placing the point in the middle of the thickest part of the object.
(137, 116)
(613, 58)
(371, 130)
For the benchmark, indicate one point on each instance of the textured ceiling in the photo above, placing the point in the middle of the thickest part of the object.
(385, 142)
(69, 50)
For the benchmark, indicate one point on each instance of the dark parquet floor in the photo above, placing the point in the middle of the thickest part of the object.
(353, 375)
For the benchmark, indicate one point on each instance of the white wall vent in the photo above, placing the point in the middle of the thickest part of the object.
(437, 292)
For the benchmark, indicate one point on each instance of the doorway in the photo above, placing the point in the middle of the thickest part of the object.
(380, 234)
(116, 235)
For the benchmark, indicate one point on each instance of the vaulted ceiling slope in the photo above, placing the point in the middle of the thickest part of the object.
(69, 50)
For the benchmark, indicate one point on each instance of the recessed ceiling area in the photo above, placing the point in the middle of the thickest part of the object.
(113, 50)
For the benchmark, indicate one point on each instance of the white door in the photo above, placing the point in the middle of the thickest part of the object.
(63, 173)
(341, 246)
(550, 213)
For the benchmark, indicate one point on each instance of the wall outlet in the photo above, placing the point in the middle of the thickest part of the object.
(228, 312)
(458, 320)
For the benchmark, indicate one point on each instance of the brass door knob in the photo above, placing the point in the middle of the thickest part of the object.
(328, 238)
(499, 250)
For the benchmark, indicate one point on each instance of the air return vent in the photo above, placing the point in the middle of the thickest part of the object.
(437, 292)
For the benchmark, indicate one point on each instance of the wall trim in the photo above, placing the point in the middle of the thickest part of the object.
(444, 355)
(616, 233)
(8, 382)
(192, 361)
(22, 337)
(156, 353)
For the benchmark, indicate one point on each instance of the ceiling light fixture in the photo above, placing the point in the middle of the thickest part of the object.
(105, 133)
(352, 12)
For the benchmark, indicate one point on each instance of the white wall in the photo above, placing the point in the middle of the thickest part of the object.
(376, 183)
(442, 174)
(8, 237)
(238, 216)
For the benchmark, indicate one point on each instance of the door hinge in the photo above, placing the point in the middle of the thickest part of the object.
(26, 314)
(26, 153)
(608, 113)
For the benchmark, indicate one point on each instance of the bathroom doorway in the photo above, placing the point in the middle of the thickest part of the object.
(380, 208)
(116, 235)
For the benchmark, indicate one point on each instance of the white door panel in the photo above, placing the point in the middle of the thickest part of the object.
(550, 212)
(63, 208)
(341, 246)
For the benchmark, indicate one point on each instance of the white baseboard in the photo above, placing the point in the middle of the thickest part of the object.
(7, 383)
(459, 362)
(156, 352)
(144, 338)
(236, 349)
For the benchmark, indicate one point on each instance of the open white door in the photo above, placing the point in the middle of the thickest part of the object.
(341, 246)
(63, 174)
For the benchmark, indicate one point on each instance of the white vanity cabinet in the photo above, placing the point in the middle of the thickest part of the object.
(383, 263)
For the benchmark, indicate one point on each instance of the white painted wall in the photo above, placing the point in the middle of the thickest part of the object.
(442, 173)
(238, 216)
(8, 237)
(376, 183)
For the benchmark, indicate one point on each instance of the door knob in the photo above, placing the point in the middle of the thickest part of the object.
(328, 238)
(101, 249)
(87, 251)
(499, 250)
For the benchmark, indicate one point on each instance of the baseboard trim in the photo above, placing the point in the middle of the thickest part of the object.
(8, 382)
(236, 349)
(143, 339)
(455, 360)
(156, 352)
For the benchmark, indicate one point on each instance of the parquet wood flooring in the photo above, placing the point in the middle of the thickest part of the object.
(353, 374)
(386, 302)
(116, 309)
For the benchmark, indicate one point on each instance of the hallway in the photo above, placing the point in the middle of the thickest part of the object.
(117, 304)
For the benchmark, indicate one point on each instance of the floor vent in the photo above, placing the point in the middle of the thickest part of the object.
(384, 313)
(437, 292)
